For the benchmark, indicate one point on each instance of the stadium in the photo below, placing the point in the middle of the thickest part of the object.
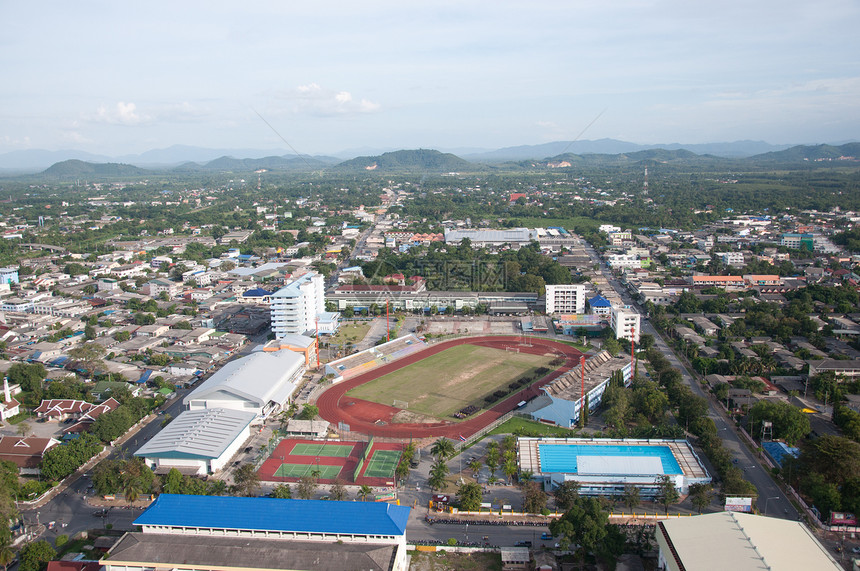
(450, 389)
(604, 466)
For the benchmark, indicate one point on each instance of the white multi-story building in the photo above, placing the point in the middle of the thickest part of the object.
(567, 298)
(297, 306)
(621, 261)
(624, 321)
(733, 258)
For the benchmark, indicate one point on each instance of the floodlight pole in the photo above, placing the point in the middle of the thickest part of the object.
(582, 384)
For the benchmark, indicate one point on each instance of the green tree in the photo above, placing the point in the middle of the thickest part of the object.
(364, 492)
(442, 449)
(306, 487)
(35, 556)
(475, 466)
(470, 497)
(630, 497)
(338, 490)
(700, 496)
(247, 480)
(438, 472)
(584, 524)
(566, 494)
(173, 482)
(89, 356)
(534, 498)
(7, 554)
(667, 492)
(282, 491)
(789, 422)
(492, 460)
(309, 412)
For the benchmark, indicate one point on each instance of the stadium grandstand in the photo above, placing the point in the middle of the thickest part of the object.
(369, 359)
(561, 399)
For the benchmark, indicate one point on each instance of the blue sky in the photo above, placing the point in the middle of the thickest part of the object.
(124, 77)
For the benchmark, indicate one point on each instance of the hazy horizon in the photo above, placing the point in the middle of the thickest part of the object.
(122, 79)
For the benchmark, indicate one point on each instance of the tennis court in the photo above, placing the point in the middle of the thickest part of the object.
(320, 449)
(382, 464)
(326, 472)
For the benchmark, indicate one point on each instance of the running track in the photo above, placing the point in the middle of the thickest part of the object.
(364, 416)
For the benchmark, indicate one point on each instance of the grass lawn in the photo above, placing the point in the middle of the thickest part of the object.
(528, 427)
(444, 383)
(350, 332)
(574, 344)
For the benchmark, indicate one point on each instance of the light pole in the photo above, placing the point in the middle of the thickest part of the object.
(766, 501)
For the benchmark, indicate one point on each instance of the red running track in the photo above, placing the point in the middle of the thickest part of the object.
(373, 418)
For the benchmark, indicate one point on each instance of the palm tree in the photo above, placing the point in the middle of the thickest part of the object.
(510, 468)
(131, 491)
(364, 491)
(437, 475)
(7, 554)
(475, 466)
(442, 449)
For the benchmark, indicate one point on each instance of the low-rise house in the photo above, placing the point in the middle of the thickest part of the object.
(26, 453)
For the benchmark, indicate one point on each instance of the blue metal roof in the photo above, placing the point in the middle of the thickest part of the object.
(273, 514)
(599, 301)
(145, 376)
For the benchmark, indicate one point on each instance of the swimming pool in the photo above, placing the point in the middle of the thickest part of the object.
(621, 460)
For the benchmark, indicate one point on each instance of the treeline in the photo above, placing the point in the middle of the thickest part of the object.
(692, 412)
(461, 267)
(827, 474)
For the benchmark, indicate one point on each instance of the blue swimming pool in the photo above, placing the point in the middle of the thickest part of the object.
(563, 457)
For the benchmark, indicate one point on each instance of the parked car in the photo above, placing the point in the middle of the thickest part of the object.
(523, 544)
(546, 535)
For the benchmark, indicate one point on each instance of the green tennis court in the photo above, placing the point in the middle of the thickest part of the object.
(382, 464)
(300, 470)
(314, 449)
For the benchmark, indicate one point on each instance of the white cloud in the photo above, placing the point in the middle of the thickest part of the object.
(316, 100)
(120, 114)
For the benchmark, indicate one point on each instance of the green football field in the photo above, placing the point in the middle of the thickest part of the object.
(448, 381)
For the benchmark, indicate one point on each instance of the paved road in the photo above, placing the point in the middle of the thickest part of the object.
(771, 500)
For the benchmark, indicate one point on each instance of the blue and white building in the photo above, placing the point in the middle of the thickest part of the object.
(604, 466)
(8, 275)
(563, 398)
(205, 533)
(299, 308)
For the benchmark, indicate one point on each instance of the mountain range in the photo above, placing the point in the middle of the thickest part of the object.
(551, 155)
(35, 160)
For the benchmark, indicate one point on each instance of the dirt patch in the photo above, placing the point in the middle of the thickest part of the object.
(445, 561)
(405, 416)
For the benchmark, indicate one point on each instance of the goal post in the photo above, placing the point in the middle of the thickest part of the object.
(400, 404)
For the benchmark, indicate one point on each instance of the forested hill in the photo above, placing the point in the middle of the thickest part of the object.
(848, 153)
(76, 168)
(272, 163)
(415, 160)
(658, 155)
